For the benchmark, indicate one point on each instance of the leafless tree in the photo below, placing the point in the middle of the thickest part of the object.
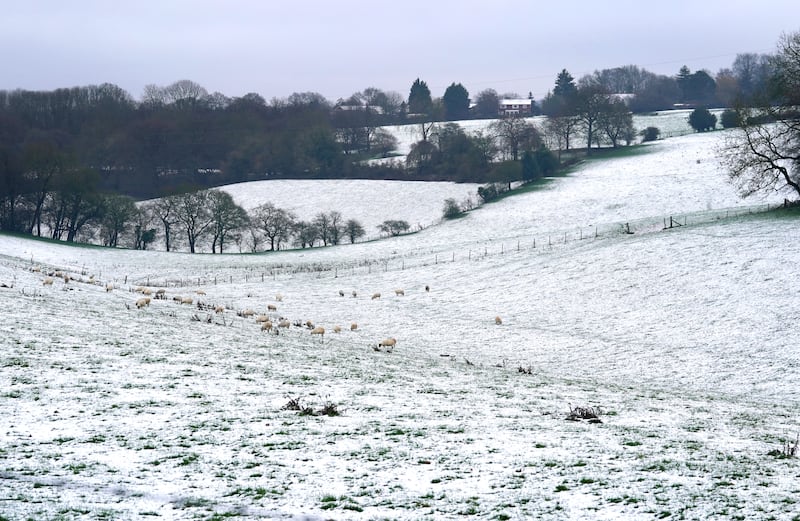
(276, 224)
(763, 155)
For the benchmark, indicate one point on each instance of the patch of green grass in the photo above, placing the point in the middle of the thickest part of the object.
(561, 487)
(189, 459)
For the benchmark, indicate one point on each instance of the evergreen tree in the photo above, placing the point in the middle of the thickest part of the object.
(419, 99)
(456, 102)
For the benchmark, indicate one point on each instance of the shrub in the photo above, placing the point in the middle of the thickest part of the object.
(650, 134)
(451, 209)
(730, 119)
(702, 120)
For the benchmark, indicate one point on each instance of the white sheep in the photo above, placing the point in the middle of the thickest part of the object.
(284, 323)
(353, 326)
(279, 297)
(48, 281)
(219, 309)
(376, 296)
(161, 292)
(187, 300)
(248, 313)
(319, 330)
(399, 292)
(109, 287)
(266, 326)
(272, 307)
(146, 292)
(337, 329)
(309, 324)
(200, 292)
(262, 318)
(498, 321)
(341, 293)
(389, 343)
(178, 299)
(142, 302)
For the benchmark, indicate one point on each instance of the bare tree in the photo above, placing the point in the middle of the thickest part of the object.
(120, 211)
(227, 216)
(193, 214)
(165, 209)
(516, 135)
(354, 230)
(763, 154)
(276, 223)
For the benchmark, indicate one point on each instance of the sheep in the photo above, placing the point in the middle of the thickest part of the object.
(200, 292)
(272, 307)
(142, 302)
(66, 279)
(399, 292)
(376, 296)
(248, 313)
(109, 287)
(178, 299)
(146, 292)
(341, 293)
(355, 294)
(319, 330)
(309, 324)
(219, 309)
(266, 326)
(262, 318)
(161, 292)
(48, 281)
(389, 343)
(353, 326)
(427, 288)
(337, 329)
(498, 321)
(279, 298)
(284, 323)
(187, 300)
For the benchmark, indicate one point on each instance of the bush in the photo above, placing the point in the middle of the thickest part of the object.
(730, 119)
(650, 134)
(451, 209)
(491, 191)
(702, 120)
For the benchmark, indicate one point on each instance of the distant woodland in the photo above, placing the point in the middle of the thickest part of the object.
(60, 149)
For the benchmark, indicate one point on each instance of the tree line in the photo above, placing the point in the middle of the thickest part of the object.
(66, 154)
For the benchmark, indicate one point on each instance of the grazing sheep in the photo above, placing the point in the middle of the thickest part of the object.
(146, 292)
(376, 295)
(48, 281)
(109, 287)
(319, 330)
(309, 324)
(66, 279)
(498, 320)
(142, 302)
(341, 293)
(389, 343)
(266, 326)
(161, 292)
(178, 299)
(187, 300)
(200, 292)
(399, 292)
(272, 307)
(262, 318)
(219, 309)
(279, 297)
(248, 313)
(353, 326)
(284, 323)
(337, 329)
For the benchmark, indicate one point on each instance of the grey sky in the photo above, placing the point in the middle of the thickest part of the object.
(339, 47)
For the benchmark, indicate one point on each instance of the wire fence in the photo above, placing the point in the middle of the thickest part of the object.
(539, 242)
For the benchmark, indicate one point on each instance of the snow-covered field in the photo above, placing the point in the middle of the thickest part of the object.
(682, 340)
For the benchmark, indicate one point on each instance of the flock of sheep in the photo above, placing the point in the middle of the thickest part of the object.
(269, 321)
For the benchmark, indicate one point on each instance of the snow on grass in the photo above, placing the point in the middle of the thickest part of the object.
(683, 339)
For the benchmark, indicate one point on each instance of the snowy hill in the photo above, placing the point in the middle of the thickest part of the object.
(680, 340)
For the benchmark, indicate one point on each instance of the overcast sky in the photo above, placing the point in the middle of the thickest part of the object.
(338, 47)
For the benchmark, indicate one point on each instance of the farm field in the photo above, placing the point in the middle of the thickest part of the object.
(681, 341)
